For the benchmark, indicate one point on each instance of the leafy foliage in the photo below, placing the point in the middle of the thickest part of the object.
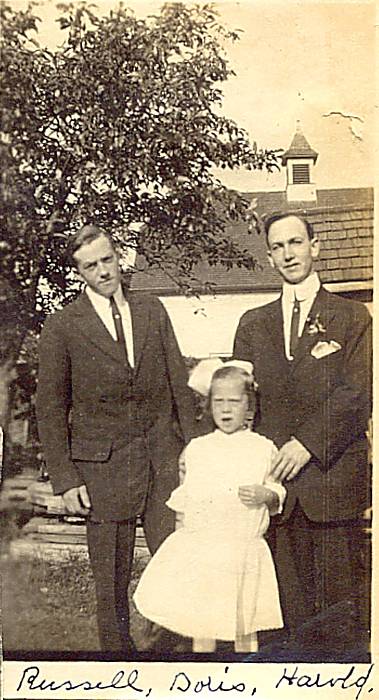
(119, 124)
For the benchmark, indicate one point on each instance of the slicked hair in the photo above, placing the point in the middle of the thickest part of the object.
(87, 234)
(279, 216)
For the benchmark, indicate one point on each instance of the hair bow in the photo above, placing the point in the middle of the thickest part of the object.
(201, 376)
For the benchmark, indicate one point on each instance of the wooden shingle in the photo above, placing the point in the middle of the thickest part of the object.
(342, 219)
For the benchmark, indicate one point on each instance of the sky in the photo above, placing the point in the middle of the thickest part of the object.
(294, 61)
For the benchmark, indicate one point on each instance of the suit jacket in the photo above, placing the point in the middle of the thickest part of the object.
(324, 403)
(101, 425)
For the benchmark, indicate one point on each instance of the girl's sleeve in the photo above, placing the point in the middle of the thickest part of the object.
(177, 499)
(275, 485)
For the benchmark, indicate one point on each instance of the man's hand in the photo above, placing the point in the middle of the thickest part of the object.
(290, 459)
(255, 495)
(77, 500)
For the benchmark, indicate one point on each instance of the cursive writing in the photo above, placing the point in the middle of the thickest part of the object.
(183, 683)
(349, 680)
(31, 678)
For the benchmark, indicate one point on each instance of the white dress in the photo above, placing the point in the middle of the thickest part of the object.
(214, 577)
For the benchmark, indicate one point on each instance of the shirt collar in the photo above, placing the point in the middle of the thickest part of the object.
(103, 303)
(307, 289)
(119, 296)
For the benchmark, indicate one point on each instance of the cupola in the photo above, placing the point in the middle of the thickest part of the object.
(299, 160)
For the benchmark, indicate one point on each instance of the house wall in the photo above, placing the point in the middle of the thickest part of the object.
(206, 325)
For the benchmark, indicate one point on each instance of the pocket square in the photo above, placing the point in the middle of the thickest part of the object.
(324, 348)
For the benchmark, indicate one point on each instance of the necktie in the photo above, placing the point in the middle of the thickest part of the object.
(294, 332)
(119, 330)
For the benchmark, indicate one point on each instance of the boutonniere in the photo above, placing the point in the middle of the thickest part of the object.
(314, 325)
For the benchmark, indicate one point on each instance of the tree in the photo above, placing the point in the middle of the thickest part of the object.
(119, 124)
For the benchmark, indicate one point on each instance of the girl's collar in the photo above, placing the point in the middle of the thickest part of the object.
(242, 431)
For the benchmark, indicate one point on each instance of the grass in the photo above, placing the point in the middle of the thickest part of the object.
(50, 605)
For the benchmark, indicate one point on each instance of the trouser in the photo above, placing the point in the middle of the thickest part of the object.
(157, 519)
(318, 566)
(111, 548)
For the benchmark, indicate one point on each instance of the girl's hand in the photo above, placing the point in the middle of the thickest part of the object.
(255, 495)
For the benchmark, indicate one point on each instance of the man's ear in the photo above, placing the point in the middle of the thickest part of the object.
(315, 247)
(270, 259)
(76, 274)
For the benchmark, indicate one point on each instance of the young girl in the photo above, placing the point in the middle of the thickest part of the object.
(214, 577)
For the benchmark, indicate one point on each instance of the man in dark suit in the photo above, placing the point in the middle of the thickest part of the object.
(114, 413)
(312, 357)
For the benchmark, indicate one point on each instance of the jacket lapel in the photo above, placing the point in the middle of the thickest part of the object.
(324, 309)
(140, 323)
(274, 326)
(89, 324)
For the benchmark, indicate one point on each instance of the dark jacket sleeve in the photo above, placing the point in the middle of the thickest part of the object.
(343, 417)
(53, 404)
(242, 349)
(183, 396)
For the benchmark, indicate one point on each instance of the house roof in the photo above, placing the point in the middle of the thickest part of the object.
(342, 218)
(299, 148)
